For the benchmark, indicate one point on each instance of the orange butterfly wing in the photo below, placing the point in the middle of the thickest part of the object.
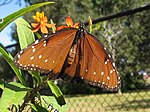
(93, 64)
(46, 55)
(97, 64)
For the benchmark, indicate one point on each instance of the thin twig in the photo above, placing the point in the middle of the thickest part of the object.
(121, 14)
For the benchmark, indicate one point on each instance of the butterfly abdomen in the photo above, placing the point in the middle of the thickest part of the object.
(72, 54)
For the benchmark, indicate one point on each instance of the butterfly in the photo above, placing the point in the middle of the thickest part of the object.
(71, 54)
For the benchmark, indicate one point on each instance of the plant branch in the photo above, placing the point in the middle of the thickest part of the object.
(120, 14)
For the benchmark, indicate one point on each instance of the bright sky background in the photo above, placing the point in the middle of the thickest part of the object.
(5, 10)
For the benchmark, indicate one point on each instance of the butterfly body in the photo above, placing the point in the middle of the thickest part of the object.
(71, 53)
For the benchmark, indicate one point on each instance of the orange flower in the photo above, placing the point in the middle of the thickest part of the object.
(69, 23)
(41, 23)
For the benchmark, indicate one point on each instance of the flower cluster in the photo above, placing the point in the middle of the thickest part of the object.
(42, 23)
(69, 24)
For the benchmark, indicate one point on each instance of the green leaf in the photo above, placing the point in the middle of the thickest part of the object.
(19, 13)
(13, 93)
(57, 93)
(38, 108)
(8, 57)
(1, 84)
(38, 35)
(25, 35)
(37, 77)
(50, 100)
(54, 27)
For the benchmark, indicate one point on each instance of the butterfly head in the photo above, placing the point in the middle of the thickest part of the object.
(81, 29)
(81, 26)
(80, 33)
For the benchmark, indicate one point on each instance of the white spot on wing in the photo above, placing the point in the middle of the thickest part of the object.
(94, 73)
(109, 55)
(21, 52)
(102, 73)
(53, 61)
(45, 35)
(37, 41)
(18, 55)
(40, 56)
(108, 77)
(117, 72)
(111, 71)
(44, 44)
(46, 60)
(33, 50)
(32, 57)
(114, 64)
